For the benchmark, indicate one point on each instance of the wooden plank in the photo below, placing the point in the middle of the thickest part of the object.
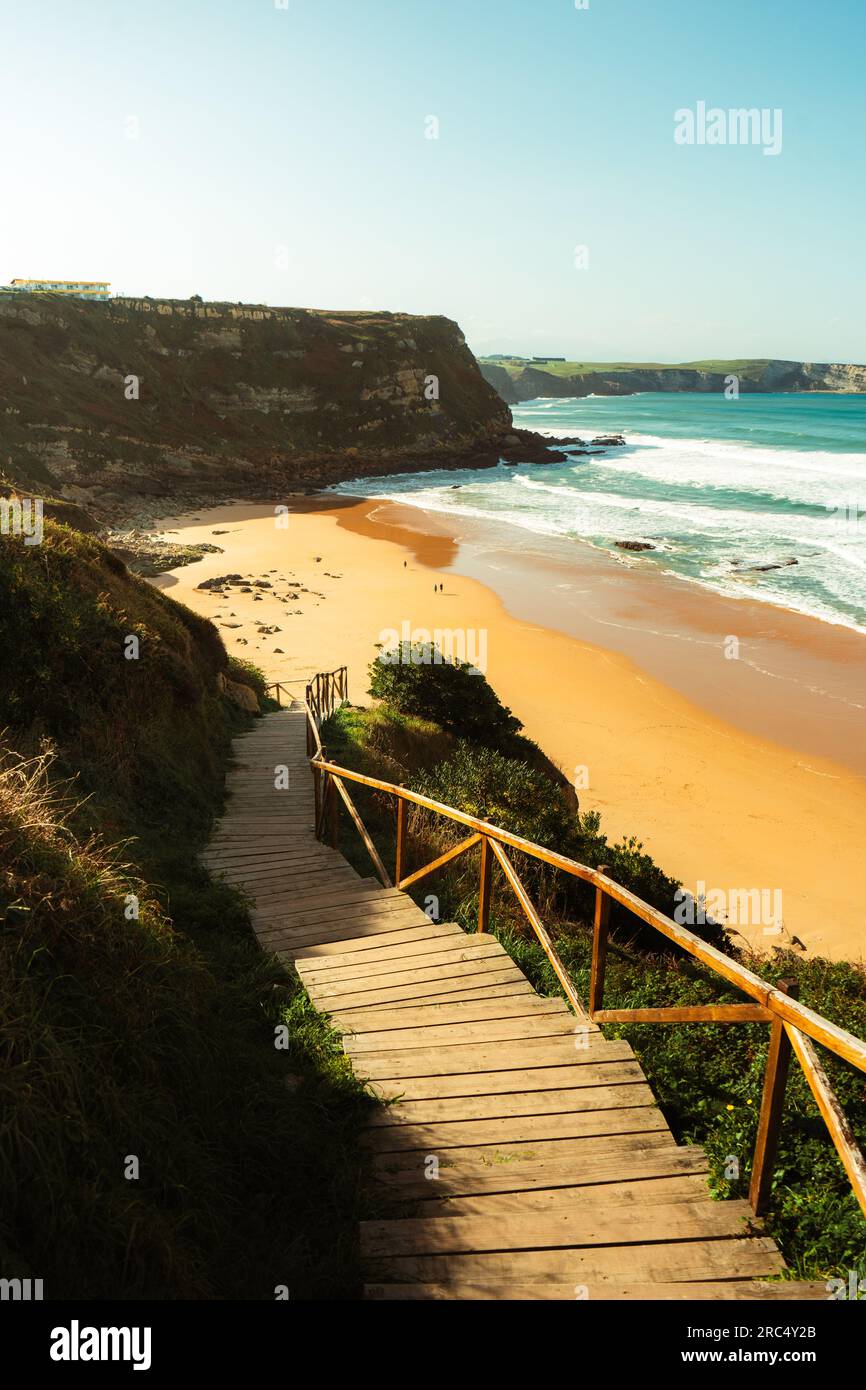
(456, 1034)
(599, 1164)
(300, 938)
(271, 919)
(349, 918)
(592, 1267)
(390, 960)
(240, 853)
(429, 1112)
(725, 1290)
(557, 1150)
(267, 860)
(513, 1129)
(505, 991)
(309, 887)
(544, 1052)
(689, 1188)
(519, 1082)
(489, 973)
(474, 1011)
(451, 960)
(556, 1228)
(462, 966)
(354, 948)
(340, 914)
(312, 890)
(347, 929)
(272, 874)
(342, 894)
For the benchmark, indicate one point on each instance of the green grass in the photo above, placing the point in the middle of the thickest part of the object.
(708, 1079)
(515, 365)
(146, 1028)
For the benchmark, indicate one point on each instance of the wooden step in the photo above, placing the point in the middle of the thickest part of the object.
(520, 1154)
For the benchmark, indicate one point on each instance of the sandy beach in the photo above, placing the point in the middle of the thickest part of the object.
(743, 771)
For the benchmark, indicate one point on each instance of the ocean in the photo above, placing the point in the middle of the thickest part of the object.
(719, 488)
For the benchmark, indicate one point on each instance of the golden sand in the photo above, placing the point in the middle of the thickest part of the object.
(715, 800)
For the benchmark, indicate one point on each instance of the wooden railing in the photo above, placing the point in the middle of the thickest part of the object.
(322, 694)
(279, 691)
(325, 692)
(793, 1026)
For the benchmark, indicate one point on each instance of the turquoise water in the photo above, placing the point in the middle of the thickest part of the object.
(718, 487)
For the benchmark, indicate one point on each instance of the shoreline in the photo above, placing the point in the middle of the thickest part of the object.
(661, 621)
(662, 737)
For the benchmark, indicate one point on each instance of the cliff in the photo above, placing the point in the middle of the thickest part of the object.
(517, 380)
(108, 404)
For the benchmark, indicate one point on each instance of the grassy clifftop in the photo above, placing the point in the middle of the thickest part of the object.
(522, 379)
(154, 1142)
(110, 403)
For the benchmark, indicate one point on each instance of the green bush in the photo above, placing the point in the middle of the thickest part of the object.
(418, 680)
(247, 673)
(503, 790)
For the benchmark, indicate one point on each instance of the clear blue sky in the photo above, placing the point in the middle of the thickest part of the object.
(281, 157)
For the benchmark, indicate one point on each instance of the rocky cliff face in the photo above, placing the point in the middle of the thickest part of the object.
(528, 383)
(103, 404)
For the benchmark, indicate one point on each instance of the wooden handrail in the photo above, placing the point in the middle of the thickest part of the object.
(790, 1021)
(844, 1044)
(831, 1112)
(281, 690)
(540, 931)
(320, 700)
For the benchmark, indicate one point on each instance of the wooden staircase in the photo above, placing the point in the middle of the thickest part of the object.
(521, 1155)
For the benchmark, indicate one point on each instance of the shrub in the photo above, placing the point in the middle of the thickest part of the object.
(247, 673)
(506, 791)
(424, 683)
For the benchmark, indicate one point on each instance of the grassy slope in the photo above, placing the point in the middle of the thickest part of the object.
(707, 1079)
(150, 1036)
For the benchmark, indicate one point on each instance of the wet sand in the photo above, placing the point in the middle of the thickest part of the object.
(737, 772)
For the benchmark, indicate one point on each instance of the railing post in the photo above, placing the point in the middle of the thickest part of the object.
(484, 889)
(401, 840)
(770, 1118)
(599, 946)
(333, 810)
(317, 797)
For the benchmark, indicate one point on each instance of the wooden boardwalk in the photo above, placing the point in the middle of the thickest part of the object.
(524, 1155)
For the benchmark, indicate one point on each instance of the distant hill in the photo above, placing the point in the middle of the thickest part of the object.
(233, 399)
(523, 379)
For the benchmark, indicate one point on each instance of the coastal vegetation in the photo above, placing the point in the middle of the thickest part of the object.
(154, 1142)
(526, 378)
(708, 1078)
